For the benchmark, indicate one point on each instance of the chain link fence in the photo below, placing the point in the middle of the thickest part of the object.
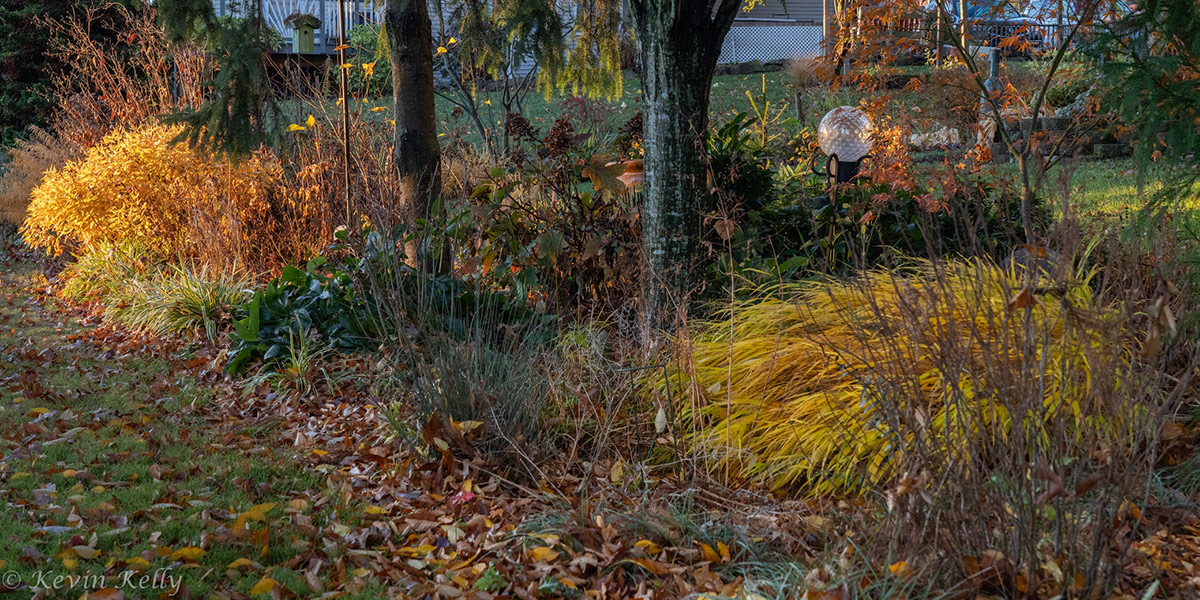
(769, 42)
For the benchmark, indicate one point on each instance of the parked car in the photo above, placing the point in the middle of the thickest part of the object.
(1054, 18)
(995, 21)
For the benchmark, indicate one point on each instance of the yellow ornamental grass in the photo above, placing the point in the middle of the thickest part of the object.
(136, 184)
(825, 386)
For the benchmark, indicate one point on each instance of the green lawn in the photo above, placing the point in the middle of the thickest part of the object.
(111, 464)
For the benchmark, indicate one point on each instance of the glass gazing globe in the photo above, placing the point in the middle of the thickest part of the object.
(846, 131)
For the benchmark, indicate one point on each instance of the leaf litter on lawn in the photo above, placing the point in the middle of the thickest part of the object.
(129, 453)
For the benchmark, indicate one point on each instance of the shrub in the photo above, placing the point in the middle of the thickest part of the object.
(363, 293)
(127, 77)
(561, 230)
(375, 80)
(299, 304)
(802, 229)
(137, 184)
(1065, 94)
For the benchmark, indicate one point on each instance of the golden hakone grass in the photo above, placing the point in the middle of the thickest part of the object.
(787, 388)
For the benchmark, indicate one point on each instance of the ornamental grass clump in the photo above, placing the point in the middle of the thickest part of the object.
(845, 386)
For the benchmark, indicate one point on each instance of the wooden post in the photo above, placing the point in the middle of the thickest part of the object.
(962, 23)
(825, 27)
(939, 23)
(345, 71)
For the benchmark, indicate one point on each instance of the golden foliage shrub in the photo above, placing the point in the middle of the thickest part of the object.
(136, 184)
(802, 390)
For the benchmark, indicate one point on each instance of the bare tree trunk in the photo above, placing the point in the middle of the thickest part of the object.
(680, 44)
(410, 42)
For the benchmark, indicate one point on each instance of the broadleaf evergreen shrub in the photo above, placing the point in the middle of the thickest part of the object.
(337, 299)
(299, 303)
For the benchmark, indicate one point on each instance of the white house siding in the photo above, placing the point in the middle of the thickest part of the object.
(788, 10)
(325, 37)
(772, 30)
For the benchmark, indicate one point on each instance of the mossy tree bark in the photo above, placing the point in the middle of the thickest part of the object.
(410, 44)
(680, 43)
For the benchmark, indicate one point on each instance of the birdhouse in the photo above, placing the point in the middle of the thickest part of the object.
(305, 27)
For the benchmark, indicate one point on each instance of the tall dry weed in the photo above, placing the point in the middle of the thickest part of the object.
(30, 158)
(123, 74)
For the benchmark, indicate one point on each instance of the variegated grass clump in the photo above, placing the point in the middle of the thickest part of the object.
(831, 386)
(140, 288)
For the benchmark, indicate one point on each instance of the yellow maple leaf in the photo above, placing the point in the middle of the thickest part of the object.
(191, 553)
(442, 50)
(264, 586)
(310, 121)
(259, 512)
(544, 553)
(137, 563)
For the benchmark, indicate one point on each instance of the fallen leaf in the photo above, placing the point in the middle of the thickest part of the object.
(1023, 299)
(264, 586)
(259, 512)
(543, 553)
(190, 553)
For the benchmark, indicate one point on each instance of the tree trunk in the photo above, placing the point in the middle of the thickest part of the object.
(680, 43)
(417, 155)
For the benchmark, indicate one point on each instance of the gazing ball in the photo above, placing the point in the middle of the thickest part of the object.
(846, 131)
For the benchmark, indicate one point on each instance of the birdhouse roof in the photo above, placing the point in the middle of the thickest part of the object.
(299, 20)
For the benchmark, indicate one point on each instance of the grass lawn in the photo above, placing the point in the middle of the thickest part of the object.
(111, 465)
